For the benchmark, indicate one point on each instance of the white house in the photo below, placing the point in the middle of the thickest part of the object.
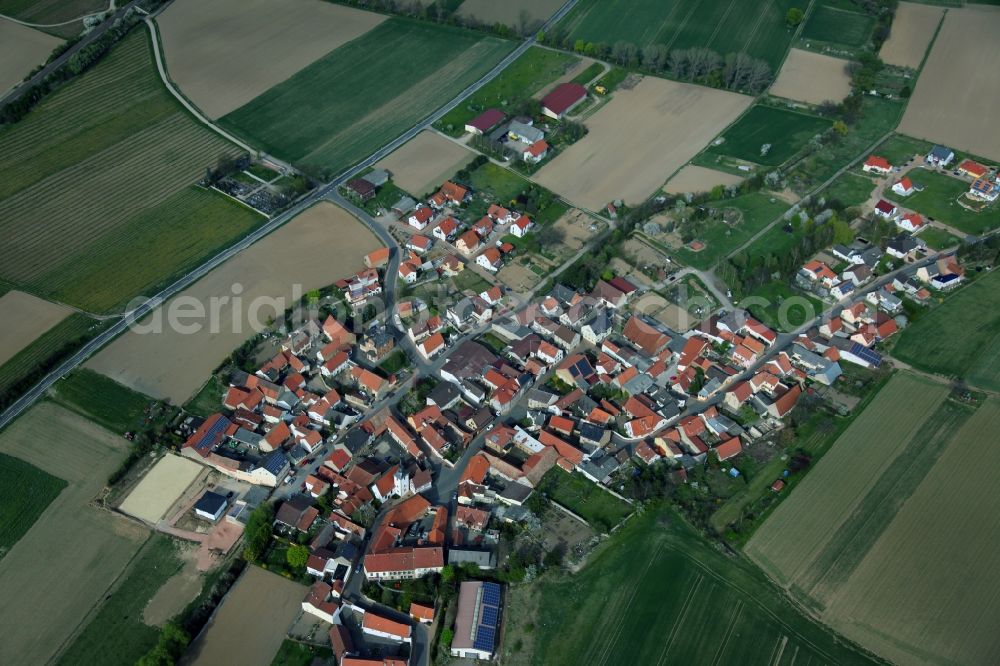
(940, 156)
(446, 230)
(521, 226)
(490, 259)
(903, 187)
(885, 209)
(911, 222)
(420, 218)
(877, 165)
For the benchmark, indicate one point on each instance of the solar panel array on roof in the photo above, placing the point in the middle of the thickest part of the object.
(489, 616)
(274, 462)
(211, 435)
(484, 638)
(869, 355)
(491, 594)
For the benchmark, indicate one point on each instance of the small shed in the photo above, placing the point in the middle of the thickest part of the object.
(210, 506)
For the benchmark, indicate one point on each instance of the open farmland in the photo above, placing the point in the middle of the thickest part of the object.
(812, 77)
(787, 132)
(256, 594)
(116, 635)
(425, 161)
(315, 249)
(224, 53)
(839, 22)
(913, 27)
(510, 12)
(927, 592)
(795, 544)
(72, 540)
(160, 488)
(960, 337)
(406, 68)
(21, 49)
(25, 318)
(725, 26)
(98, 181)
(958, 92)
(699, 179)
(638, 139)
(705, 607)
(512, 88)
(50, 11)
(28, 491)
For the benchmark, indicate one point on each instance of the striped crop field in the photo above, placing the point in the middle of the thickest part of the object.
(365, 93)
(98, 203)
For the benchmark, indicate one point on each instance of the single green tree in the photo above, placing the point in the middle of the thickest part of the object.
(794, 17)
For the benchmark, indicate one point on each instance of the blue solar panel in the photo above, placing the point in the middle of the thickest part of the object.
(866, 354)
(491, 594)
(484, 639)
(489, 616)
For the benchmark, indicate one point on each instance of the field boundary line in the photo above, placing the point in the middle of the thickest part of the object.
(729, 631)
(191, 108)
(756, 26)
(683, 24)
(623, 617)
(718, 26)
(679, 622)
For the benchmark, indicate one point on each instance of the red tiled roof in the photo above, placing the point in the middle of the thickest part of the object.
(563, 97)
(878, 162)
(729, 448)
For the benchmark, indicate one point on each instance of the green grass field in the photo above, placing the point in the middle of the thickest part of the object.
(898, 149)
(365, 93)
(117, 635)
(939, 239)
(584, 498)
(786, 131)
(938, 200)
(97, 203)
(28, 491)
(515, 85)
(960, 337)
(850, 189)
(725, 26)
(102, 400)
(208, 400)
(44, 352)
(840, 23)
(496, 184)
(657, 593)
(786, 308)
(720, 238)
(293, 653)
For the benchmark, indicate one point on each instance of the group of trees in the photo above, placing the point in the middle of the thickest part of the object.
(735, 71)
(258, 532)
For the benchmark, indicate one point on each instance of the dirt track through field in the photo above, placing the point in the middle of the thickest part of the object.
(958, 92)
(25, 317)
(425, 161)
(699, 179)
(812, 77)
(314, 250)
(913, 27)
(65, 563)
(638, 139)
(223, 53)
(21, 49)
(251, 623)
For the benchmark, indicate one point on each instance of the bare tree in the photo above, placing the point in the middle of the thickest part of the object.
(737, 70)
(759, 77)
(677, 63)
(654, 57)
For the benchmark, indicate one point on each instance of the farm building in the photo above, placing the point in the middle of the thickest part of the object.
(485, 121)
(972, 169)
(518, 131)
(210, 506)
(361, 188)
(536, 152)
(478, 620)
(563, 99)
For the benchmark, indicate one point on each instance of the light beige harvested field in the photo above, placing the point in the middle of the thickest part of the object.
(958, 92)
(224, 53)
(69, 558)
(425, 162)
(928, 592)
(812, 77)
(317, 248)
(508, 12)
(912, 29)
(25, 317)
(251, 623)
(21, 49)
(638, 139)
(699, 179)
(160, 488)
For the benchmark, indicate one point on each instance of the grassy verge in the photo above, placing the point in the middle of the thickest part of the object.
(208, 400)
(584, 498)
